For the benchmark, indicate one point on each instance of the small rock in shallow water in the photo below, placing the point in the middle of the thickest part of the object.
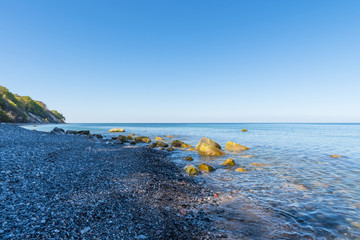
(244, 130)
(117, 130)
(231, 146)
(335, 156)
(229, 162)
(188, 158)
(170, 149)
(259, 164)
(159, 139)
(206, 167)
(355, 224)
(240, 170)
(191, 169)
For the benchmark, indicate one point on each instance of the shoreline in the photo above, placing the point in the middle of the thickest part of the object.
(63, 186)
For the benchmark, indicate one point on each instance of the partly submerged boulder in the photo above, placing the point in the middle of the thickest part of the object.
(176, 143)
(208, 147)
(57, 130)
(335, 156)
(204, 167)
(244, 130)
(170, 149)
(117, 130)
(161, 144)
(159, 139)
(231, 146)
(122, 138)
(170, 136)
(228, 162)
(142, 139)
(188, 158)
(191, 169)
(152, 145)
(191, 149)
(185, 145)
(130, 137)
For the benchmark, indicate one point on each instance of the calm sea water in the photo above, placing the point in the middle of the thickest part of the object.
(302, 188)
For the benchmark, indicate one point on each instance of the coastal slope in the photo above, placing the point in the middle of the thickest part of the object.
(19, 109)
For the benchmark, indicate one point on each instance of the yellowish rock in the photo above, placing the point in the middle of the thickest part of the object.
(170, 136)
(176, 143)
(170, 149)
(247, 156)
(185, 145)
(158, 139)
(191, 170)
(240, 169)
(208, 147)
(259, 164)
(204, 167)
(188, 158)
(142, 139)
(117, 130)
(231, 146)
(244, 130)
(191, 149)
(229, 162)
(335, 156)
(161, 144)
(130, 137)
(122, 138)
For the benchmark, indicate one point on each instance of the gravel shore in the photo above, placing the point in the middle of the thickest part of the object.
(71, 187)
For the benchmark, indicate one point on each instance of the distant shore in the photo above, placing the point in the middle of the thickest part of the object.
(64, 186)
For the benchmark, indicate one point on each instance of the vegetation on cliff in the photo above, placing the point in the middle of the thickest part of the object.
(18, 109)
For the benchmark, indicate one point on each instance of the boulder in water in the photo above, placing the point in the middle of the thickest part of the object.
(188, 158)
(208, 147)
(142, 139)
(240, 170)
(204, 167)
(229, 162)
(159, 139)
(335, 156)
(57, 130)
(170, 149)
(231, 146)
(191, 170)
(244, 130)
(117, 130)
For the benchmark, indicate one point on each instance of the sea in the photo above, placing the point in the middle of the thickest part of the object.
(292, 187)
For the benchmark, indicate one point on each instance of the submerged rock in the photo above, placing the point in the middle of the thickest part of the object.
(170, 136)
(57, 130)
(158, 139)
(208, 147)
(117, 130)
(228, 162)
(231, 146)
(259, 164)
(130, 137)
(206, 167)
(142, 139)
(335, 156)
(191, 169)
(170, 149)
(240, 170)
(188, 158)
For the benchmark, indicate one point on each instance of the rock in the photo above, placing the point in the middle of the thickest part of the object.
(176, 143)
(161, 144)
(142, 139)
(191, 170)
(99, 136)
(133, 143)
(259, 164)
(185, 145)
(71, 132)
(170, 149)
(122, 138)
(170, 136)
(244, 130)
(206, 167)
(208, 147)
(335, 156)
(247, 156)
(159, 139)
(188, 158)
(152, 145)
(355, 224)
(231, 146)
(117, 130)
(191, 149)
(130, 137)
(83, 132)
(57, 130)
(240, 170)
(229, 162)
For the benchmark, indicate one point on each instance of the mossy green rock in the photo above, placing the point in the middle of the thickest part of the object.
(208, 147)
(142, 139)
(117, 130)
(176, 143)
(152, 145)
(161, 144)
(204, 167)
(130, 137)
(185, 145)
(191, 170)
(188, 158)
(159, 139)
(229, 162)
(231, 146)
(170, 149)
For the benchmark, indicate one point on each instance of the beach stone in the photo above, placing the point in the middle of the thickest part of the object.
(99, 136)
(206, 167)
(122, 138)
(159, 139)
(244, 130)
(208, 147)
(188, 158)
(57, 130)
(335, 156)
(240, 170)
(176, 143)
(231, 146)
(83, 132)
(229, 162)
(170, 149)
(117, 130)
(191, 170)
(161, 144)
(142, 139)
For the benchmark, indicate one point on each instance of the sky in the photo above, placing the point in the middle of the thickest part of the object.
(185, 60)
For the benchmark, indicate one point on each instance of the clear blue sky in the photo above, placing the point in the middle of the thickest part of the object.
(185, 61)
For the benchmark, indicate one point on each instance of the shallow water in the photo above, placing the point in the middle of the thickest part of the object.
(305, 191)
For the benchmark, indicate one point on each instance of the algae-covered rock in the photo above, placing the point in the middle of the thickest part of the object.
(133, 143)
(176, 143)
(240, 170)
(206, 167)
(152, 145)
(335, 156)
(122, 138)
(229, 162)
(161, 144)
(170, 149)
(188, 158)
(130, 137)
(244, 130)
(185, 145)
(142, 139)
(208, 147)
(231, 146)
(191, 170)
(191, 149)
(159, 139)
(117, 130)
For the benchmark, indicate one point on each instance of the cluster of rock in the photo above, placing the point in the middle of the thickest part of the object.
(61, 131)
